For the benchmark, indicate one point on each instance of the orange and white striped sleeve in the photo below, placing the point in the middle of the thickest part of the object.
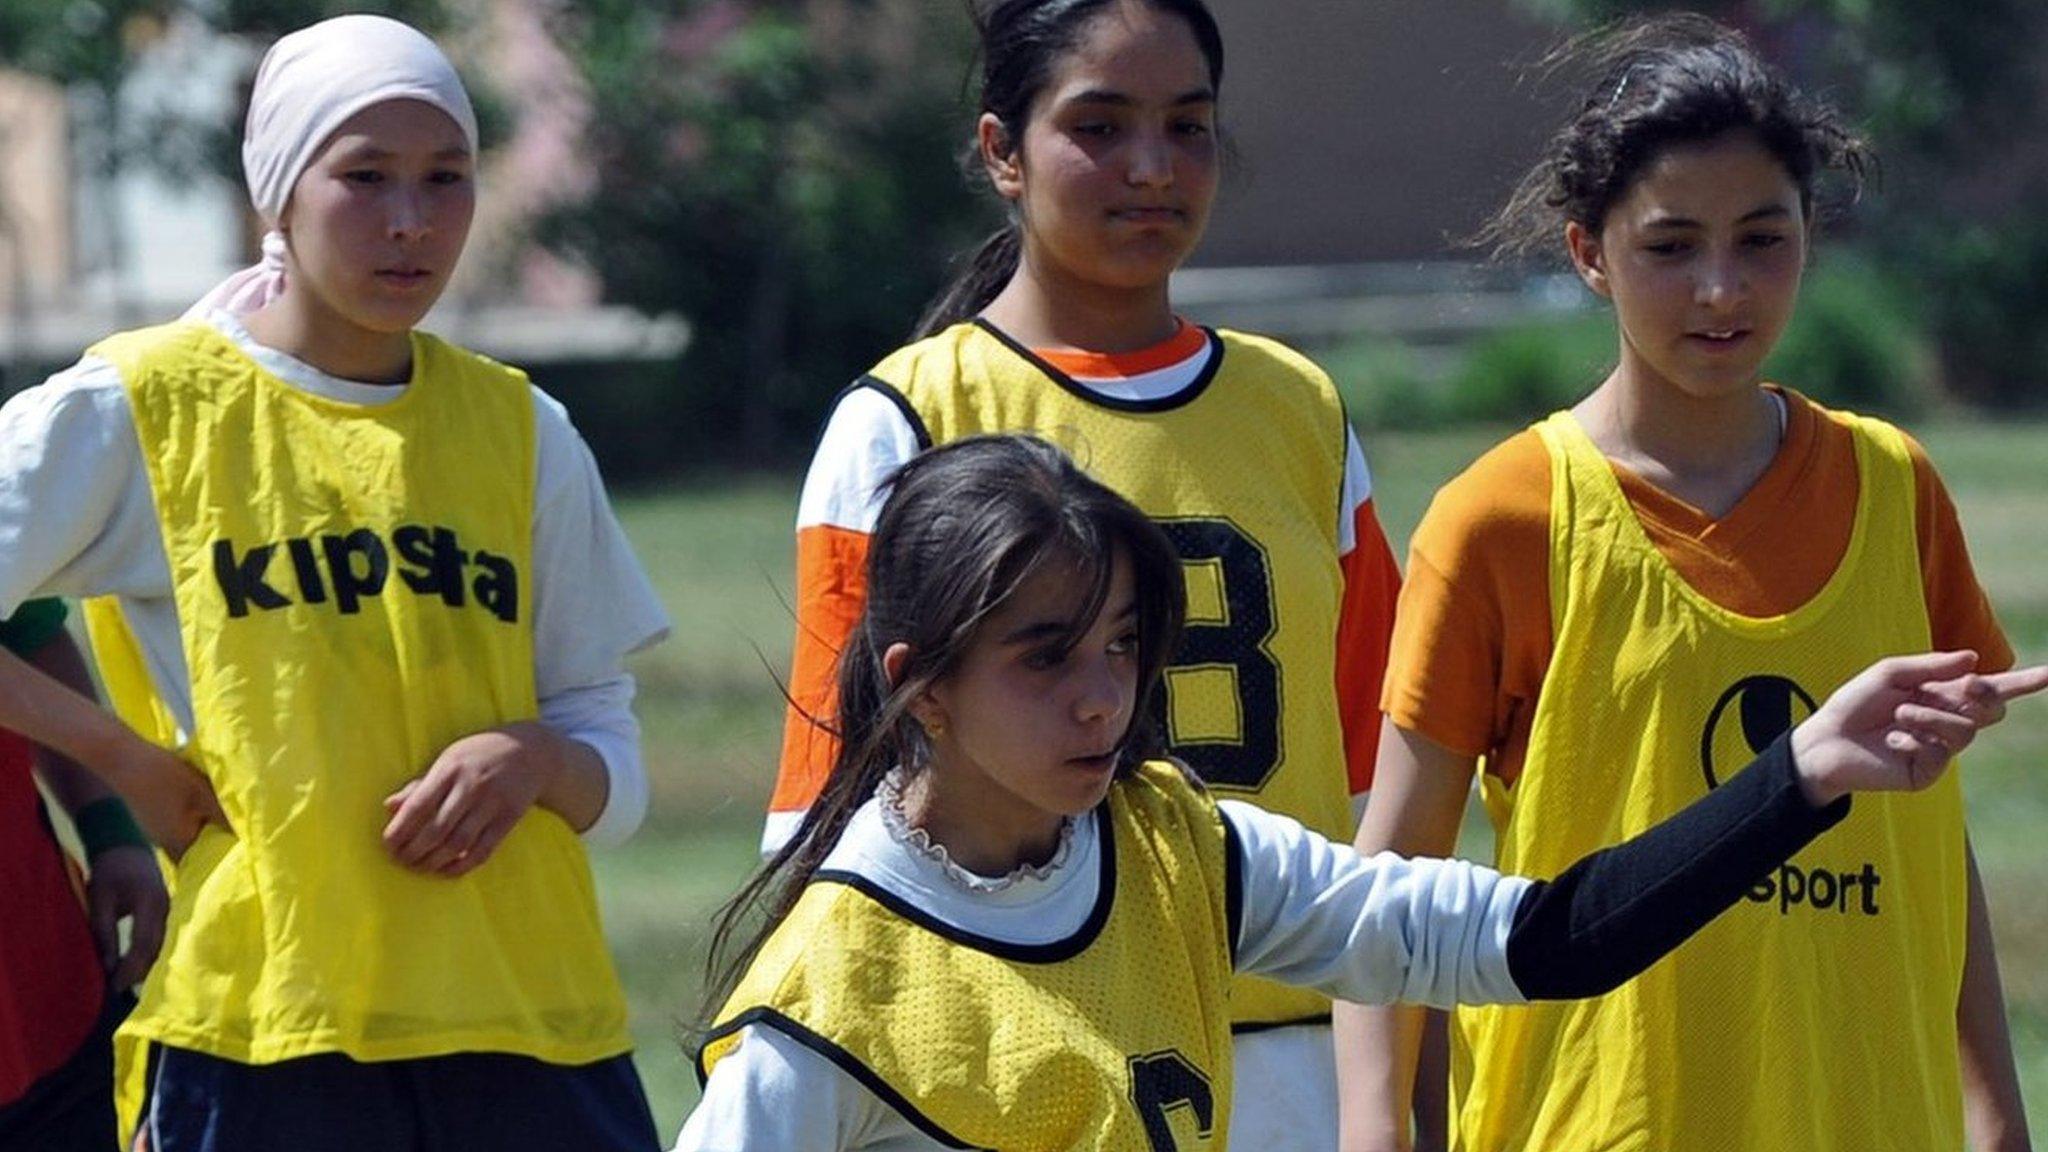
(867, 437)
(1365, 619)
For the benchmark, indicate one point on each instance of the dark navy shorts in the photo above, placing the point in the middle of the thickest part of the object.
(72, 1108)
(329, 1103)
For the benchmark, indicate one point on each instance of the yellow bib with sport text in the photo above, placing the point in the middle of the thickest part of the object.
(1244, 470)
(1116, 1040)
(354, 594)
(1820, 1012)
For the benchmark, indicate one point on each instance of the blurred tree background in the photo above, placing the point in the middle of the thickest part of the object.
(91, 47)
(786, 175)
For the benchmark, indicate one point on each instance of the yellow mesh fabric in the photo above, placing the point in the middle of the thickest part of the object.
(353, 592)
(1817, 1014)
(1247, 479)
(1113, 1047)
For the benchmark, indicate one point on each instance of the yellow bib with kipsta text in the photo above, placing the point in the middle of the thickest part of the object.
(353, 588)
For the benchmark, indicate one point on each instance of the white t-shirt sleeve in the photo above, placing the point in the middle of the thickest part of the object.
(601, 715)
(592, 607)
(1375, 930)
(76, 515)
(1357, 490)
(771, 1093)
(866, 439)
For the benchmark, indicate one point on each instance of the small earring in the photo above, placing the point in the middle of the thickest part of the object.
(933, 729)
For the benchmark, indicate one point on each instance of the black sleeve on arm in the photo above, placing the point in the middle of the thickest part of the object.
(1614, 913)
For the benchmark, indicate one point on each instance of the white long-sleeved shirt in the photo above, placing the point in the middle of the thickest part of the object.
(77, 519)
(1314, 913)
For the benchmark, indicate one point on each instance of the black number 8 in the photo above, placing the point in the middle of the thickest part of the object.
(1162, 1082)
(1235, 646)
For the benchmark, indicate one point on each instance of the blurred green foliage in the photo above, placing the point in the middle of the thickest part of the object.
(783, 175)
(78, 41)
(1525, 372)
(93, 44)
(1985, 287)
(1382, 382)
(1858, 340)
(1511, 376)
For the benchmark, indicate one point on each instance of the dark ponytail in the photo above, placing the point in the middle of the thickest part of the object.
(975, 286)
(1021, 43)
(964, 526)
(875, 733)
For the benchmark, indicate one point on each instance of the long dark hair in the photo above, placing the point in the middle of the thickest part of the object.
(964, 526)
(1022, 42)
(1660, 82)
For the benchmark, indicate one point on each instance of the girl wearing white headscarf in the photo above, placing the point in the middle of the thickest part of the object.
(361, 595)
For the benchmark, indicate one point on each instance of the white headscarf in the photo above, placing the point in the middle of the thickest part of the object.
(308, 84)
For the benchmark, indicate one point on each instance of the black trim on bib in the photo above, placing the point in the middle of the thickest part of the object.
(1233, 885)
(1052, 953)
(1179, 399)
(889, 392)
(1247, 1029)
(1233, 916)
(1345, 511)
(847, 1063)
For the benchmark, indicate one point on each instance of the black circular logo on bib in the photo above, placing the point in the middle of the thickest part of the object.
(1756, 711)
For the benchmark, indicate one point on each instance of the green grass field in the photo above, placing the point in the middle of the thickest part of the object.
(721, 558)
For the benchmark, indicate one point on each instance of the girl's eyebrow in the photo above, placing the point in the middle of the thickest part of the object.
(1039, 631)
(1766, 212)
(1124, 100)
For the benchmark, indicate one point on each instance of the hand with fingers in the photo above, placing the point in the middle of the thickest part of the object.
(125, 884)
(450, 819)
(171, 799)
(1897, 724)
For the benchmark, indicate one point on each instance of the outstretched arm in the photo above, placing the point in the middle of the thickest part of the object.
(1445, 931)
(1894, 727)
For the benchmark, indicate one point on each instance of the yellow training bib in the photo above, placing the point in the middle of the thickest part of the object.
(1817, 1014)
(1245, 472)
(353, 586)
(1117, 1040)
